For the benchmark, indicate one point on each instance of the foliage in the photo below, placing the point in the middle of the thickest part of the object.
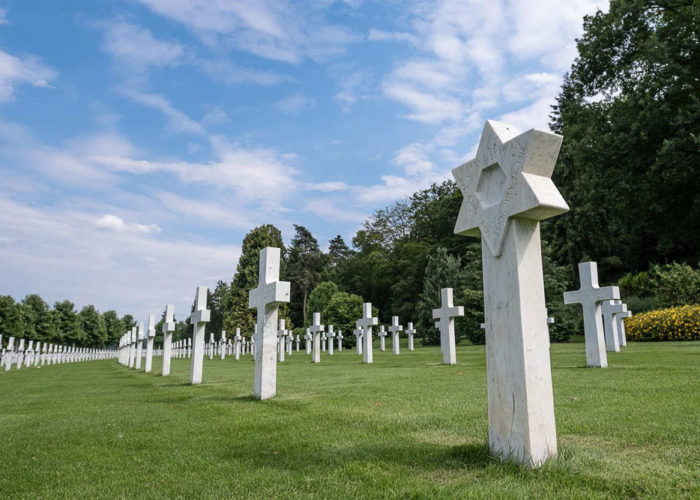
(38, 323)
(93, 326)
(11, 318)
(114, 328)
(68, 327)
(676, 323)
(442, 271)
(342, 311)
(629, 112)
(217, 304)
(304, 271)
(319, 299)
(246, 278)
(664, 286)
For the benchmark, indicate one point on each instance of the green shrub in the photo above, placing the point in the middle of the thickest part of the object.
(664, 286)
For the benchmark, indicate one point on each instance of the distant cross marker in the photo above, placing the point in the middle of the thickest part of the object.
(410, 332)
(621, 326)
(590, 295)
(139, 346)
(358, 338)
(199, 319)
(610, 310)
(395, 329)
(316, 329)
(266, 298)
(507, 190)
(168, 329)
(366, 323)
(331, 336)
(340, 340)
(446, 324)
(382, 338)
(149, 343)
(281, 334)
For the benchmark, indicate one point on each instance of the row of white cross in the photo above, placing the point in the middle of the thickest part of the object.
(43, 353)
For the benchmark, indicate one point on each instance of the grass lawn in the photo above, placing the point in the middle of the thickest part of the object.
(406, 426)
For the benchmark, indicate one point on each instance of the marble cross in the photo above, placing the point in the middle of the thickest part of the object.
(307, 339)
(590, 295)
(266, 298)
(316, 328)
(237, 344)
(281, 334)
(366, 323)
(410, 332)
(168, 329)
(198, 319)
(610, 309)
(358, 333)
(382, 338)
(19, 357)
(139, 346)
(340, 340)
(132, 347)
(331, 336)
(222, 345)
(507, 191)
(446, 324)
(395, 329)
(621, 326)
(297, 340)
(149, 343)
(9, 353)
(323, 341)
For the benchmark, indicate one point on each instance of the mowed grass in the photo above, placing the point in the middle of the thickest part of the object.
(406, 426)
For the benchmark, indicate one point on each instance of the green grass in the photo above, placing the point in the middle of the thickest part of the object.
(405, 426)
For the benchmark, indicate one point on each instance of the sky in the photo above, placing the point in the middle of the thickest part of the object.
(140, 140)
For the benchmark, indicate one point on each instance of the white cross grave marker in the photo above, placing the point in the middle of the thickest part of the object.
(340, 340)
(446, 324)
(610, 309)
(366, 323)
(507, 190)
(331, 336)
(281, 334)
(621, 326)
(590, 295)
(139, 346)
(198, 319)
(382, 338)
(266, 298)
(395, 328)
(168, 329)
(358, 333)
(316, 328)
(149, 344)
(410, 332)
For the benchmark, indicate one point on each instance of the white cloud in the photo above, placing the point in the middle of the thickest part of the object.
(353, 87)
(376, 35)
(270, 29)
(117, 224)
(178, 120)
(224, 71)
(334, 210)
(15, 71)
(62, 253)
(3, 17)
(135, 47)
(295, 103)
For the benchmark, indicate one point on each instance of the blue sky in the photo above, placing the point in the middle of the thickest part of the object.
(141, 139)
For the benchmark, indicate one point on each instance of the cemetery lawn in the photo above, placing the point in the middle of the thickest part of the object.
(406, 426)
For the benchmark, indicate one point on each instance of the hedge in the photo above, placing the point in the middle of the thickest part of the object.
(676, 323)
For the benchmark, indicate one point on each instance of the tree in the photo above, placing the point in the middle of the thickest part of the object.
(442, 271)
(246, 278)
(319, 298)
(38, 319)
(114, 327)
(304, 270)
(93, 325)
(11, 318)
(68, 326)
(216, 301)
(629, 111)
(342, 311)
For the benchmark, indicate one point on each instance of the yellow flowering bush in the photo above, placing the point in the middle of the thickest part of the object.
(676, 323)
